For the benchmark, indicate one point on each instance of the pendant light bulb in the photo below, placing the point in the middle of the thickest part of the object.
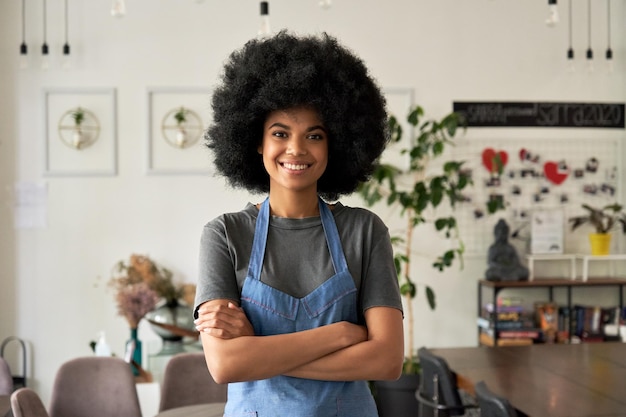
(589, 56)
(23, 46)
(609, 61)
(23, 56)
(45, 57)
(67, 60)
(553, 14)
(119, 8)
(571, 67)
(325, 4)
(609, 51)
(264, 29)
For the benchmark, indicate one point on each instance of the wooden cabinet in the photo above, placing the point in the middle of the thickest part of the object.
(550, 285)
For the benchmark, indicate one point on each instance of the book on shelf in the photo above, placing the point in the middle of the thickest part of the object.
(488, 340)
(588, 322)
(503, 315)
(485, 323)
(508, 308)
(525, 333)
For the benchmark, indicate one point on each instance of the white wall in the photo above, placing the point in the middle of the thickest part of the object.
(52, 279)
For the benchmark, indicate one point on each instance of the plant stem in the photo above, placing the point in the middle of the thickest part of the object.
(409, 298)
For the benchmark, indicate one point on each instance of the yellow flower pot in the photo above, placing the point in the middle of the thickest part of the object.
(600, 243)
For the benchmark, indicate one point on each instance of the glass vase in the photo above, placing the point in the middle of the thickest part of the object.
(175, 315)
(133, 351)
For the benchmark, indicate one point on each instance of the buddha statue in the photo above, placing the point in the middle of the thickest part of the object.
(502, 259)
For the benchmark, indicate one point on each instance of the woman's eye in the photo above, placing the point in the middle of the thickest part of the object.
(316, 136)
(279, 134)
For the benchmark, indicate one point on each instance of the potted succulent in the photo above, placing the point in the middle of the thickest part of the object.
(78, 116)
(181, 119)
(418, 191)
(603, 220)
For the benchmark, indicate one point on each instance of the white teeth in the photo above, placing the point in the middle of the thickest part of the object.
(294, 166)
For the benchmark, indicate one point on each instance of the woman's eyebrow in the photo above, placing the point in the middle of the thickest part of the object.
(278, 124)
(316, 127)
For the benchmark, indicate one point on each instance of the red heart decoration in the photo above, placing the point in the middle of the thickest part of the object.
(522, 154)
(555, 174)
(489, 156)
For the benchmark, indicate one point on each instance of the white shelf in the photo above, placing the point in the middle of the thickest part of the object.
(551, 257)
(573, 260)
(606, 258)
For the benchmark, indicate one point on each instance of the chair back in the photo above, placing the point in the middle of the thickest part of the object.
(187, 381)
(94, 386)
(492, 405)
(438, 394)
(18, 381)
(26, 403)
(6, 380)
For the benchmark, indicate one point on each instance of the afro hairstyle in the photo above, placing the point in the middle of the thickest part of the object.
(286, 71)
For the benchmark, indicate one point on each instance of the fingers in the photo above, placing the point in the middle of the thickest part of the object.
(223, 320)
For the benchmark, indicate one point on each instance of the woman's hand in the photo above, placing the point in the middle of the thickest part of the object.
(225, 321)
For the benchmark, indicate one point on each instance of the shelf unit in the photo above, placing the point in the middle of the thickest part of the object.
(550, 284)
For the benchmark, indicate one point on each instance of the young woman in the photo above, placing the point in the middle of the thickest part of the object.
(297, 300)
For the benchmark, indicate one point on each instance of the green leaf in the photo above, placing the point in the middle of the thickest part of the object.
(430, 296)
(408, 288)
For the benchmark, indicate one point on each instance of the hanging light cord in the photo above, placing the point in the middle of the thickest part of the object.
(608, 21)
(66, 22)
(23, 21)
(570, 24)
(44, 22)
(589, 22)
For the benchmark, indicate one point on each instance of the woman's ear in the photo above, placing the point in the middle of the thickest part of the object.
(259, 149)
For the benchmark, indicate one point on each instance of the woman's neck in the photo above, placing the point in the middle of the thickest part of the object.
(294, 205)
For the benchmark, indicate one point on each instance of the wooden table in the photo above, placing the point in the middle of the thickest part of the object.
(202, 410)
(556, 380)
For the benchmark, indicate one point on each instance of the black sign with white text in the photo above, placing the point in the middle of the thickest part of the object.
(541, 114)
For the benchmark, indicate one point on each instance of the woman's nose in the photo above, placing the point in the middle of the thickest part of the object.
(296, 146)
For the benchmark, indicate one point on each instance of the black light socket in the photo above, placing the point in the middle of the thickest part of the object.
(23, 49)
(44, 49)
(265, 8)
(551, 2)
(570, 53)
(609, 54)
(589, 54)
(66, 49)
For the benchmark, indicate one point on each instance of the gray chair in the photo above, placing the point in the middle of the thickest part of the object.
(491, 404)
(6, 380)
(94, 386)
(438, 394)
(187, 381)
(26, 403)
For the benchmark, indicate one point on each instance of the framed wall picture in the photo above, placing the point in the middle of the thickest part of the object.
(80, 132)
(177, 119)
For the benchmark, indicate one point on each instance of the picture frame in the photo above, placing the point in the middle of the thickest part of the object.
(97, 159)
(166, 152)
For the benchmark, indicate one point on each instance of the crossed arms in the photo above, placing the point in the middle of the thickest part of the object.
(336, 352)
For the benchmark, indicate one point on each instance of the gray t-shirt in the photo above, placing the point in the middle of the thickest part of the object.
(297, 259)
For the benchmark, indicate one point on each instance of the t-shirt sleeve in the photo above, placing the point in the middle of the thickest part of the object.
(216, 276)
(379, 287)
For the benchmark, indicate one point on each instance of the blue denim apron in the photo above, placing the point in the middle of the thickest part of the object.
(274, 312)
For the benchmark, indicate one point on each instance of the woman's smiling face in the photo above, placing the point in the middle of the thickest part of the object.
(294, 149)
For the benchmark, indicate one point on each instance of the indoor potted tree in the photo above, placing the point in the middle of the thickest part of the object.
(603, 220)
(418, 191)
